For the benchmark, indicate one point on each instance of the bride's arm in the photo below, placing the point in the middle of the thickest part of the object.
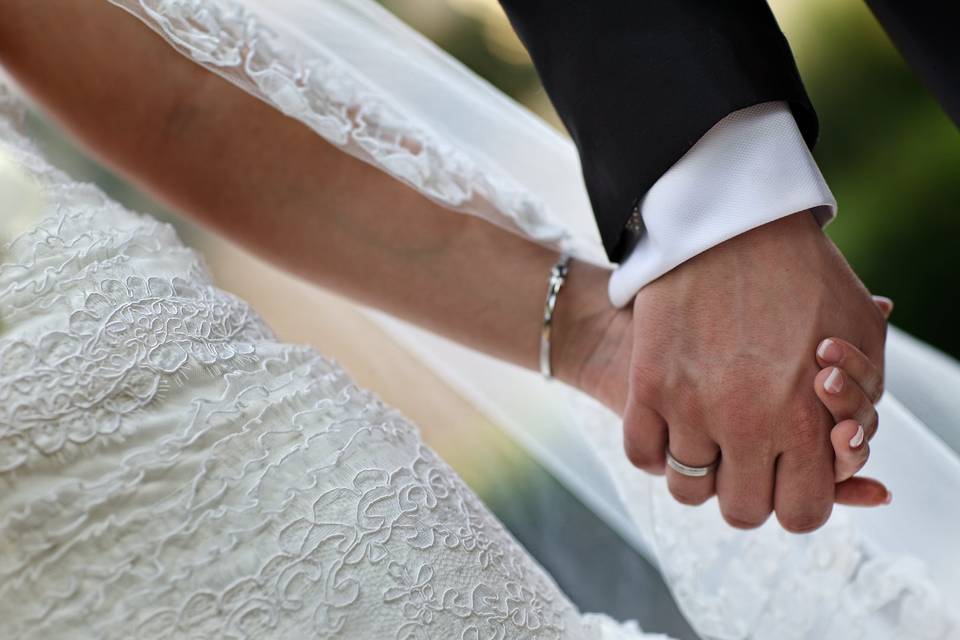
(268, 182)
(276, 187)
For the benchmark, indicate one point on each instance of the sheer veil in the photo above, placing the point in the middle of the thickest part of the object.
(367, 83)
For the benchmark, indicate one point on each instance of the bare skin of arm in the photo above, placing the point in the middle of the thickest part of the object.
(699, 373)
(269, 183)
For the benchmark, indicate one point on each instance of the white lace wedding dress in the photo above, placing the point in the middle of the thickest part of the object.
(170, 470)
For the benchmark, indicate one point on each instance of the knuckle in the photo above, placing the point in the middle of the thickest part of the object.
(746, 430)
(643, 457)
(743, 521)
(872, 424)
(879, 321)
(881, 329)
(808, 427)
(861, 461)
(803, 521)
(808, 413)
(865, 412)
(804, 438)
(646, 382)
(873, 383)
(688, 497)
(878, 389)
(635, 456)
(850, 465)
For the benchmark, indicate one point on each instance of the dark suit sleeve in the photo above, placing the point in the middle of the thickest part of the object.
(638, 82)
(925, 31)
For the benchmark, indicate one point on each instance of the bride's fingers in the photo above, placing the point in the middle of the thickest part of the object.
(885, 305)
(862, 492)
(840, 353)
(845, 400)
(850, 448)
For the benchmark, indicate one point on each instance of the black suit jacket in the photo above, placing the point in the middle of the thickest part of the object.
(638, 82)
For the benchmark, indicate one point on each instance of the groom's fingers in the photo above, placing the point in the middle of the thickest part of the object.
(745, 485)
(644, 437)
(692, 448)
(804, 491)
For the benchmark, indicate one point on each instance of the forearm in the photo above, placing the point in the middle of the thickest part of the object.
(271, 184)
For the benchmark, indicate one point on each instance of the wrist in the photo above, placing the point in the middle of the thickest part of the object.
(585, 328)
(768, 244)
(782, 236)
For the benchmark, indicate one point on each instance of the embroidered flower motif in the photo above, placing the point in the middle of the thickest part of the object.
(121, 347)
(415, 591)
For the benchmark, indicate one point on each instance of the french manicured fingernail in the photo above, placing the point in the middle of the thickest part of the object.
(834, 381)
(857, 438)
(829, 351)
(889, 498)
(886, 302)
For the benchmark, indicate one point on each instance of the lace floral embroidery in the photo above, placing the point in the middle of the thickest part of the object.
(127, 341)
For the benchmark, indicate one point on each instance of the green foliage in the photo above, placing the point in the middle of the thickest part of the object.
(892, 158)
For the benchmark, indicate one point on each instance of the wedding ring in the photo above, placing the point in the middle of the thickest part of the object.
(687, 470)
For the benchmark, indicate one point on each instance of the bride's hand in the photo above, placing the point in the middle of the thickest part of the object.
(849, 385)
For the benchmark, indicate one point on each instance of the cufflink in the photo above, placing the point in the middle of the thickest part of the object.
(630, 235)
(634, 222)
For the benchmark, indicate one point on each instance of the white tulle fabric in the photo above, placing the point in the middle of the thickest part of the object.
(171, 470)
(360, 81)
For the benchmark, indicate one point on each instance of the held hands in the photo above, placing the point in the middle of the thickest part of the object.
(724, 350)
(849, 385)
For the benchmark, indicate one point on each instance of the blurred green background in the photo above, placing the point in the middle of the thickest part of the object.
(888, 151)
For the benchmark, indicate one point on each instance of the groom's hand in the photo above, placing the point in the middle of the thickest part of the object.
(723, 357)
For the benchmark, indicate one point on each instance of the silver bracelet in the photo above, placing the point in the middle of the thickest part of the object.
(558, 275)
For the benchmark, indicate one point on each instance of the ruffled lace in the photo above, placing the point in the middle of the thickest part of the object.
(325, 93)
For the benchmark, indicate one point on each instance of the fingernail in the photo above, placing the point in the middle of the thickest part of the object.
(834, 381)
(885, 301)
(829, 351)
(889, 498)
(857, 438)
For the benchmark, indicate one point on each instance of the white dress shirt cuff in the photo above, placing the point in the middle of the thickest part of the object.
(751, 168)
